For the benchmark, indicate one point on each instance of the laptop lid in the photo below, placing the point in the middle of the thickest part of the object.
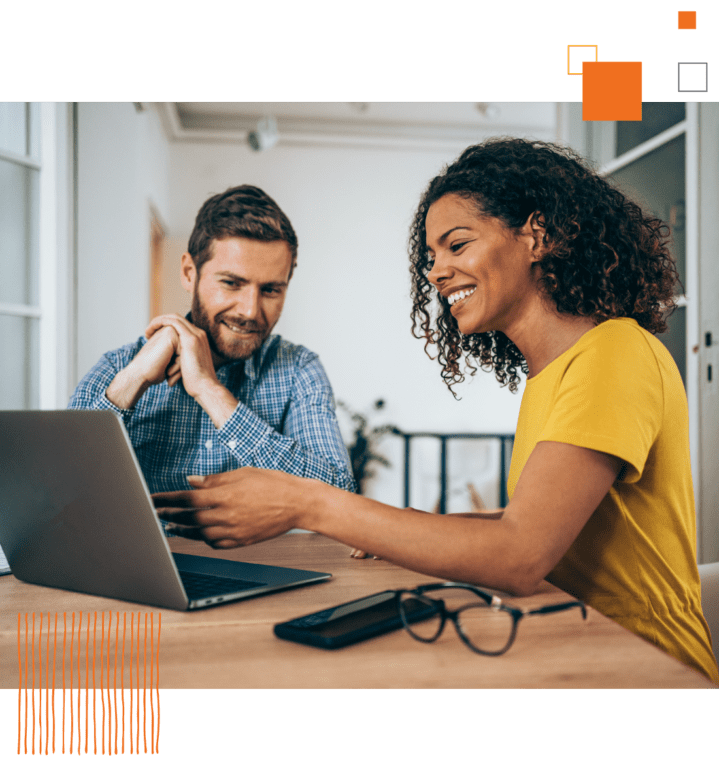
(76, 513)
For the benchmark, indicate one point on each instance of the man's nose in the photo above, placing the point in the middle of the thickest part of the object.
(248, 303)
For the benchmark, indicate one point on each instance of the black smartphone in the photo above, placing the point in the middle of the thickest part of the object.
(351, 622)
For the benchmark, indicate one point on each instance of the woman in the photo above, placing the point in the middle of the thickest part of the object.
(523, 259)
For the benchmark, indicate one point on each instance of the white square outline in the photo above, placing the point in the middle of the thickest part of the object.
(693, 90)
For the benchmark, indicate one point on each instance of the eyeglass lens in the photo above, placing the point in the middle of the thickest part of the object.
(421, 616)
(487, 630)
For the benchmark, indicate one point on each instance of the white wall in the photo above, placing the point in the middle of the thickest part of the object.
(123, 169)
(349, 297)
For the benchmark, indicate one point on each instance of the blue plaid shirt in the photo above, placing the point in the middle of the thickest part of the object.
(285, 419)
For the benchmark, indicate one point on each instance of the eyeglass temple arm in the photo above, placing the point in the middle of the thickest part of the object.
(559, 607)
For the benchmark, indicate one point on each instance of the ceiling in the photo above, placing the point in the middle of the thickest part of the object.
(369, 123)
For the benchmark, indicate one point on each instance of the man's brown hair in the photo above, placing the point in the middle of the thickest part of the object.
(243, 211)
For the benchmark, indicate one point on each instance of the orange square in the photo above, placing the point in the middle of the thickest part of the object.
(687, 19)
(612, 90)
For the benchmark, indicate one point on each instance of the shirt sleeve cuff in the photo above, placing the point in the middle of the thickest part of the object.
(103, 404)
(243, 432)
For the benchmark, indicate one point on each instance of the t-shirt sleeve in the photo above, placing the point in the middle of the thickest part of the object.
(610, 399)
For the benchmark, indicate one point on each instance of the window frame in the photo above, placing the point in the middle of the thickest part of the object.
(50, 127)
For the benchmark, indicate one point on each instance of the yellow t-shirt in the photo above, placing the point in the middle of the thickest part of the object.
(617, 390)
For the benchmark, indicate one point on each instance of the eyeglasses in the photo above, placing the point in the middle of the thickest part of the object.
(487, 626)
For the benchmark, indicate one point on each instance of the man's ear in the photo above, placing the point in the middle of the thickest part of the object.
(188, 273)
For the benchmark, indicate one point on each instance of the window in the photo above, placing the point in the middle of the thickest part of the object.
(19, 255)
(35, 254)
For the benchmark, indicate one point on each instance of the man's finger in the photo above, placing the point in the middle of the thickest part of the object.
(160, 322)
(181, 326)
(172, 380)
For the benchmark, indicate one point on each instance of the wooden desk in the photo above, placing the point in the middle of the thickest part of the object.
(233, 646)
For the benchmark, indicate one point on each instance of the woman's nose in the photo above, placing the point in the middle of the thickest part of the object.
(439, 273)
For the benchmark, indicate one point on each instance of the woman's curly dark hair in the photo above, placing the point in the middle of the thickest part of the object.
(604, 256)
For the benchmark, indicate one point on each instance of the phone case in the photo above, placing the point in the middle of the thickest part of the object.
(316, 630)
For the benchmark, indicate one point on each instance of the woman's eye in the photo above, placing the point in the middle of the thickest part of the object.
(456, 246)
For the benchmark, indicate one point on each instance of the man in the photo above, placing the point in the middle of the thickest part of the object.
(214, 391)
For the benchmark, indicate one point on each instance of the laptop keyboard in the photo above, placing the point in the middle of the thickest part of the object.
(199, 585)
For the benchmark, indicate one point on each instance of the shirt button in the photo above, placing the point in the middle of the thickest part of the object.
(232, 444)
(208, 444)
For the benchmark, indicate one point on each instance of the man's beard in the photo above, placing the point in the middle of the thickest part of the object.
(235, 348)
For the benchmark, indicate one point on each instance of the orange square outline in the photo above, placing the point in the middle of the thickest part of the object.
(596, 56)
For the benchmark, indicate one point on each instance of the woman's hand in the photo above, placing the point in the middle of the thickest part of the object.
(236, 508)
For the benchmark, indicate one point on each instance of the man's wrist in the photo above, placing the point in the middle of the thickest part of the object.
(216, 401)
(126, 388)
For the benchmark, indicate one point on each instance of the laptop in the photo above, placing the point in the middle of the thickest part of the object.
(76, 513)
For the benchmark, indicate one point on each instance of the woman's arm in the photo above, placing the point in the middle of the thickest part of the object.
(560, 487)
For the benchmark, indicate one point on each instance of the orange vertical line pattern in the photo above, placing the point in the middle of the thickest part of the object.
(122, 678)
(157, 682)
(64, 638)
(72, 716)
(87, 681)
(132, 639)
(109, 704)
(79, 682)
(26, 655)
(137, 675)
(144, 689)
(94, 698)
(33, 682)
(54, 664)
(114, 678)
(27, 701)
(19, 685)
(47, 685)
(152, 707)
(39, 686)
(102, 669)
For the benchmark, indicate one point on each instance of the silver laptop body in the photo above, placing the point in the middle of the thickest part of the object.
(76, 513)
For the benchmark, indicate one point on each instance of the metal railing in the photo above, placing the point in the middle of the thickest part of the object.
(506, 442)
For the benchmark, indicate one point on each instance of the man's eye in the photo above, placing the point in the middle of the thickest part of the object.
(231, 283)
(272, 291)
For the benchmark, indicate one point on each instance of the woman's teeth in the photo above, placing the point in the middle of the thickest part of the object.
(453, 298)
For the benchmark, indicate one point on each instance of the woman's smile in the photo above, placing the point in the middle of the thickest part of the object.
(458, 297)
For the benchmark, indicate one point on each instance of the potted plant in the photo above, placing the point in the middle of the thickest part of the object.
(362, 450)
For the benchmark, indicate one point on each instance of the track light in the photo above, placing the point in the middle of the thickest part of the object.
(265, 135)
(487, 110)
